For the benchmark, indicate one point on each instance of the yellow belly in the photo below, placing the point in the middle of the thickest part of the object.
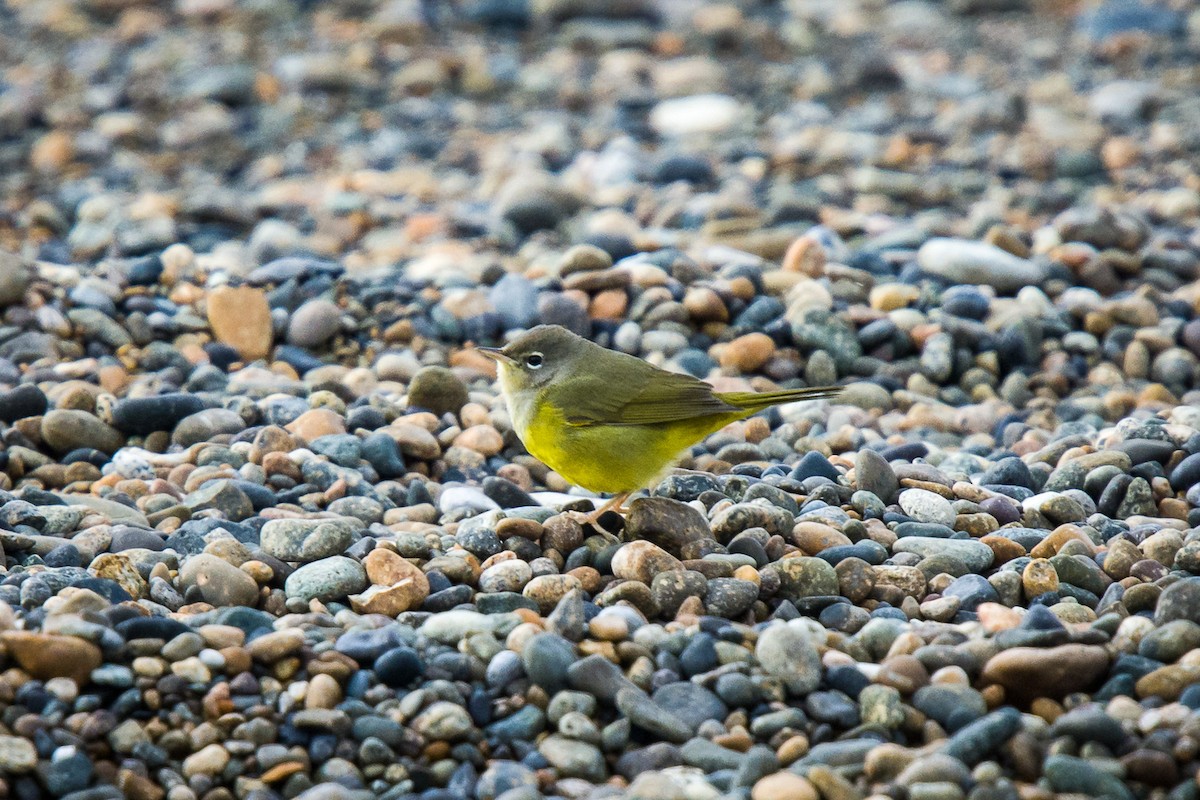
(613, 458)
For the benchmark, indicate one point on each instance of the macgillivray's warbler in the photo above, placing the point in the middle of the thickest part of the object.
(608, 421)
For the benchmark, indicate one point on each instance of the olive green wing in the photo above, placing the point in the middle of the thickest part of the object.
(643, 395)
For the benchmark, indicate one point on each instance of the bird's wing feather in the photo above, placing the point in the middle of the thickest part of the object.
(651, 396)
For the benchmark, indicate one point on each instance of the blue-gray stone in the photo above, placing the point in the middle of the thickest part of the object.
(976, 741)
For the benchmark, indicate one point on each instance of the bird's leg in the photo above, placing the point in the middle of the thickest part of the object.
(614, 504)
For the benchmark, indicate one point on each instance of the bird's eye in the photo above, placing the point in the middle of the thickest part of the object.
(534, 360)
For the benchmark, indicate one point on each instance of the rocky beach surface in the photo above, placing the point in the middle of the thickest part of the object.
(266, 530)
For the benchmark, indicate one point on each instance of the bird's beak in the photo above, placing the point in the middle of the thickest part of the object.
(496, 354)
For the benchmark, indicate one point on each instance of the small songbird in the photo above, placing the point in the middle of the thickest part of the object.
(608, 421)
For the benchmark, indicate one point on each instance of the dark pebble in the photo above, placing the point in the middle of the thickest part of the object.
(142, 415)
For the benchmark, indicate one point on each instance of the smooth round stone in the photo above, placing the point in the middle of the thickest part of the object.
(340, 448)
(383, 453)
(700, 655)
(507, 576)
(17, 755)
(507, 494)
(1185, 475)
(806, 577)
(502, 777)
(832, 707)
(788, 653)
(737, 690)
(523, 726)
(443, 721)
(814, 464)
(1169, 642)
(23, 401)
(1010, 471)
(546, 658)
(327, 579)
(504, 668)
(313, 324)
(465, 498)
(398, 667)
(437, 389)
(1004, 510)
(869, 551)
(127, 538)
(692, 703)
(924, 529)
(573, 759)
(730, 597)
(305, 540)
(451, 627)
(367, 645)
(951, 706)
(65, 555)
(1070, 775)
(204, 425)
(220, 583)
(875, 475)
(926, 506)
(515, 299)
(69, 770)
(1179, 601)
(972, 590)
(1056, 507)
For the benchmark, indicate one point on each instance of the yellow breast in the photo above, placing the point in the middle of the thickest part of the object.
(608, 458)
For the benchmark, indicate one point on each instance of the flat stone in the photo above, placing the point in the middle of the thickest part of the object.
(641, 561)
(117, 512)
(327, 579)
(204, 425)
(143, 415)
(649, 716)
(964, 261)
(805, 577)
(220, 583)
(66, 430)
(17, 755)
(305, 540)
(667, 523)
(46, 656)
(788, 652)
(1047, 672)
(241, 318)
(974, 554)
(926, 506)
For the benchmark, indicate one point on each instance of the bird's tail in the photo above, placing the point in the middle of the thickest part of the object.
(757, 401)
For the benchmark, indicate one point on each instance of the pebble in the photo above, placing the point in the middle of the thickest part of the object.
(926, 506)
(327, 579)
(788, 653)
(304, 540)
(962, 261)
(266, 528)
(67, 429)
(313, 324)
(241, 318)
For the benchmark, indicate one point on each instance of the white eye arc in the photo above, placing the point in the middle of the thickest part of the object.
(534, 360)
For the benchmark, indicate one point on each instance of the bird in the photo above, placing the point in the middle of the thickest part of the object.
(608, 421)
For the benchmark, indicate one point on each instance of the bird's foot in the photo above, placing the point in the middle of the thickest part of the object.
(614, 504)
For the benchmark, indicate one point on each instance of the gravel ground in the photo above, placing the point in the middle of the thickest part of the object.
(266, 530)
